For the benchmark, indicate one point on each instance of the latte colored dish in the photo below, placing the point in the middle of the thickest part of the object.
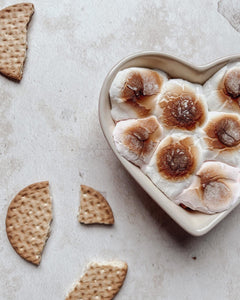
(193, 222)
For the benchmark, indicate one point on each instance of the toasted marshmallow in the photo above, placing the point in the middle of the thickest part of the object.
(134, 92)
(136, 140)
(181, 106)
(173, 164)
(222, 90)
(221, 135)
(215, 188)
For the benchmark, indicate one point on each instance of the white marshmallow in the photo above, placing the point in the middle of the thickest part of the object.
(136, 140)
(181, 100)
(215, 188)
(174, 186)
(217, 100)
(226, 154)
(151, 82)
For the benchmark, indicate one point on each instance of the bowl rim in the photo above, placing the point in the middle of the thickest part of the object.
(201, 68)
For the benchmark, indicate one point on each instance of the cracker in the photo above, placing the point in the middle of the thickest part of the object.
(28, 221)
(13, 38)
(100, 281)
(94, 208)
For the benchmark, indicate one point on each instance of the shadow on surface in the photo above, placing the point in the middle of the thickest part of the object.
(169, 226)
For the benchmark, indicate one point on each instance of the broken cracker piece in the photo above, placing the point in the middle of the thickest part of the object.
(13, 38)
(28, 221)
(100, 281)
(94, 208)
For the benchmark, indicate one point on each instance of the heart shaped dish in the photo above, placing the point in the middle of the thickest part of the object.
(194, 222)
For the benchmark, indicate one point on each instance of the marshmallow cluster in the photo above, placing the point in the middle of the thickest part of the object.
(185, 137)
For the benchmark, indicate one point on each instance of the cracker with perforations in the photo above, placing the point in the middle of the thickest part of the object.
(100, 281)
(94, 208)
(13, 38)
(28, 221)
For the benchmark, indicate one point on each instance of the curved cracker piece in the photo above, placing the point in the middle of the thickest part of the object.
(94, 208)
(28, 221)
(100, 281)
(13, 38)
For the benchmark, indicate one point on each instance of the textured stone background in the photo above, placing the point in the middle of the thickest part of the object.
(49, 130)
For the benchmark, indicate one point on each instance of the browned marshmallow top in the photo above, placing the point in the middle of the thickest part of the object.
(229, 89)
(214, 188)
(176, 160)
(232, 83)
(139, 91)
(223, 132)
(142, 136)
(182, 109)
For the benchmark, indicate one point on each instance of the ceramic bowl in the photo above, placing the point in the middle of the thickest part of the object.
(194, 223)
